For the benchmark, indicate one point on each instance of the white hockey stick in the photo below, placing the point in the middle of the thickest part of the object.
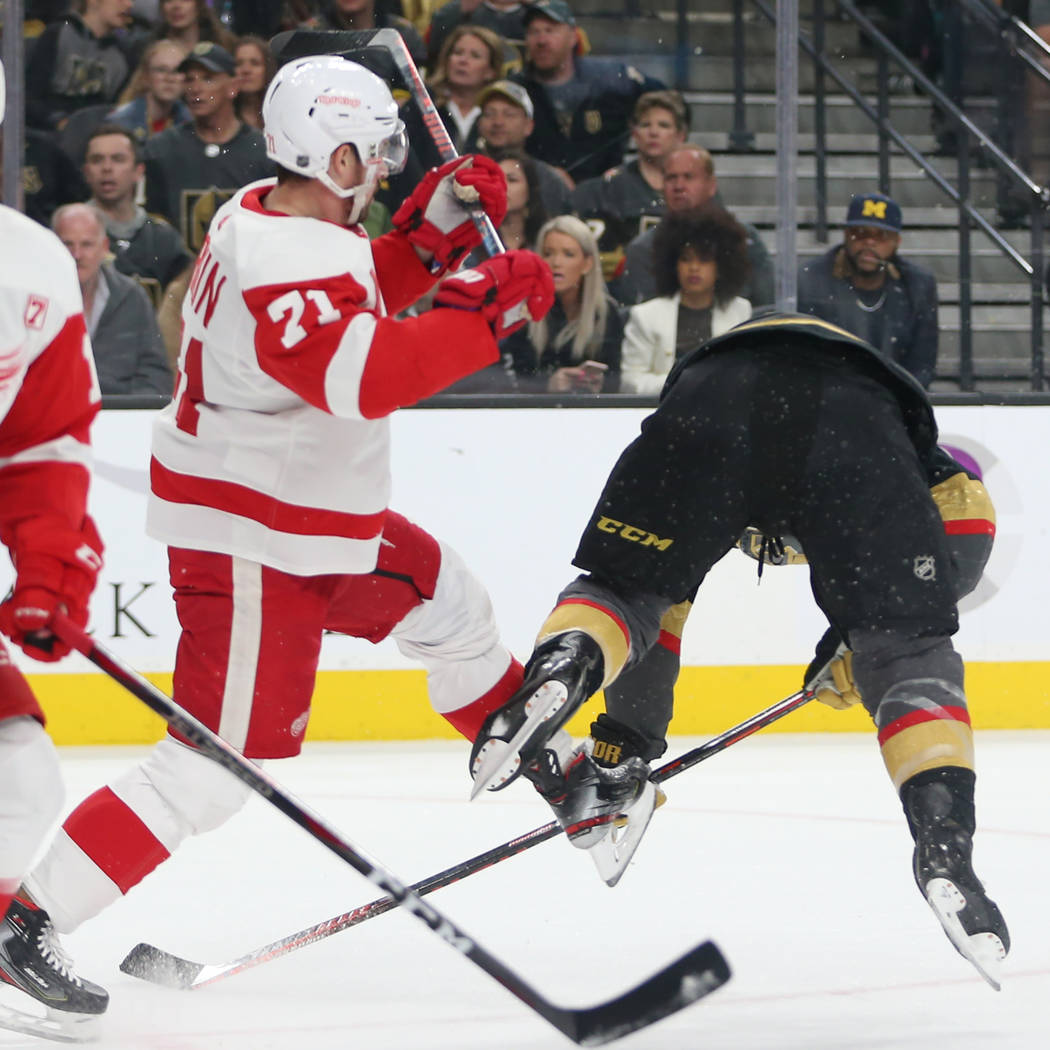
(687, 979)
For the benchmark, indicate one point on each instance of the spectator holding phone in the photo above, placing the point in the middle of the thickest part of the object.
(576, 347)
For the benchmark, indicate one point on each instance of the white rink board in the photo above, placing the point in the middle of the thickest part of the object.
(511, 489)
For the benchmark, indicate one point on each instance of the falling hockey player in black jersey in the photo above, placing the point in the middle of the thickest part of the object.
(789, 426)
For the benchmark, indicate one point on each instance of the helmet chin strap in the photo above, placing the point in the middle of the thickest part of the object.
(362, 192)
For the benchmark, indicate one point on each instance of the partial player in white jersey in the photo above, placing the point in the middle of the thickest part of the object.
(48, 397)
(270, 469)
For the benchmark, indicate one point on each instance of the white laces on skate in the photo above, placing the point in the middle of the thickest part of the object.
(54, 955)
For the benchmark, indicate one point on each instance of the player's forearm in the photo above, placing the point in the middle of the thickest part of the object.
(402, 275)
(411, 360)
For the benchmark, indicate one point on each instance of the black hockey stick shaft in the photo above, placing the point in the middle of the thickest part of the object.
(154, 964)
(731, 736)
(687, 979)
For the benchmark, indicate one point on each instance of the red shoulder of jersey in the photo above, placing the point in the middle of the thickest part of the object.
(299, 328)
(44, 438)
(59, 394)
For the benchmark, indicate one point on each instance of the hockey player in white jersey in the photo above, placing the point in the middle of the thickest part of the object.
(270, 469)
(48, 397)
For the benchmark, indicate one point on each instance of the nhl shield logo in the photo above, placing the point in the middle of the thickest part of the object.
(924, 567)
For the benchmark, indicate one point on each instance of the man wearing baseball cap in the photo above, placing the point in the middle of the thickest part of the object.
(582, 104)
(864, 286)
(506, 121)
(192, 168)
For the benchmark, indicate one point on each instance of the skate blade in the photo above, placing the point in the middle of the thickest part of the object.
(498, 762)
(57, 1025)
(613, 853)
(983, 950)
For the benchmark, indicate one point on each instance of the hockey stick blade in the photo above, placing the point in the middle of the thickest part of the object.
(153, 964)
(687, 980)
(680, 984)
(150, 964)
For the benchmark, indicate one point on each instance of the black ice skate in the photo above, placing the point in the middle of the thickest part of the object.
(601, 793)
(32, 961)
(563, 672)
(939, 807)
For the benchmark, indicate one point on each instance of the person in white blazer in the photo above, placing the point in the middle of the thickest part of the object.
(700, 264)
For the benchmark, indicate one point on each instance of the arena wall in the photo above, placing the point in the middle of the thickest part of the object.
(511, 490)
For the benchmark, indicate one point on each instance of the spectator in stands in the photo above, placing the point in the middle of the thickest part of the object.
(49, 176)
(152, 101)
(689, 181)
(576, 347)
(470, 59)
(193, 168)
(367, 14)
(700, 265)
(189, 23)
(129, 354)
(506, 121)
(503, 17)
(582, 104)
(144, 246)
(617, 204)
(76, 64)
(526, 214)
(254, 67)
(864, 286)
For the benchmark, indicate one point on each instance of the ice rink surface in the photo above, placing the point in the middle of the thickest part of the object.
(790, 851)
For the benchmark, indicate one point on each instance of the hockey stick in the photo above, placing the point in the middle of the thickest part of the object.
(684, 981)
(393, 43)
(153, 964)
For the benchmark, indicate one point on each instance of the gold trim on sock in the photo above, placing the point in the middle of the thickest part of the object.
(928, 745)
(602, 626)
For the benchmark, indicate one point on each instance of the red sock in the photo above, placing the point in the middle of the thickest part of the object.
(467, 720)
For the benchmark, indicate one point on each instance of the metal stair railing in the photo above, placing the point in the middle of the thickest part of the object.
(1038, 196)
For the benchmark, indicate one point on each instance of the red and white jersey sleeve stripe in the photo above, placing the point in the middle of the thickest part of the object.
(49, 392)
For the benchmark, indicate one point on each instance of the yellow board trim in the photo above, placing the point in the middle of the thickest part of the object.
(89, 708)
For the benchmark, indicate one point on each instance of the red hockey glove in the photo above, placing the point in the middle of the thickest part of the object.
(506, 290)
(435, 217)
(57, 569)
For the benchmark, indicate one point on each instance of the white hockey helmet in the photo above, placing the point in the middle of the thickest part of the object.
(316, 104)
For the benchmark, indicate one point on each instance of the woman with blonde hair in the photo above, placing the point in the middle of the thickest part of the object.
(152, 101)
(470, 59)
(576, 347)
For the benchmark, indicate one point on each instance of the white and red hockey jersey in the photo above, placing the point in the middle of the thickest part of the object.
(276, 446)
(49, 392)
